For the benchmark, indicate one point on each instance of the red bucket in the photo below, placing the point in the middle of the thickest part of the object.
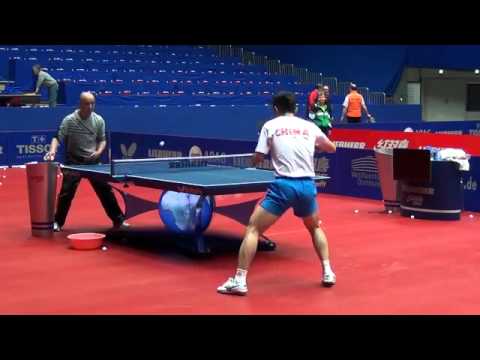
(86, 241)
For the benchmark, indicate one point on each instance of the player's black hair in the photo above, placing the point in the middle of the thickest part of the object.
(37, 66)
(319, 86)
(285, 102)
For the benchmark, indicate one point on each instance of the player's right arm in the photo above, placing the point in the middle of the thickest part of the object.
(57, 139)
(312, 98)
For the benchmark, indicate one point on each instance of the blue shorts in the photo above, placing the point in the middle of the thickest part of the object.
(298, 193)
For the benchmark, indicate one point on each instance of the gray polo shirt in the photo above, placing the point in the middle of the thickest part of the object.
(46, 79)
(81, 136)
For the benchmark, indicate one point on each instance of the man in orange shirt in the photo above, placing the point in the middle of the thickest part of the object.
(353, 105)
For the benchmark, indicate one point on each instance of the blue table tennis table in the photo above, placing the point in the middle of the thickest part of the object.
(205, 176)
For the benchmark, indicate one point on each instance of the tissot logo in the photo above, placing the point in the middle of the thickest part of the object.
(33, 149)
(127, 153)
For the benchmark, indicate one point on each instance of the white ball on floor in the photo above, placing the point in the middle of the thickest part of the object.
(412, 216)
(104, 248)
(356, 211)
(470, 216)
(390, 211)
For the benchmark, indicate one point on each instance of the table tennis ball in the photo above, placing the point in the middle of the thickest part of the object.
(104, 248)
(356, 211)
(470, 216)
(161, 143)
(390, 211)
(412, 216)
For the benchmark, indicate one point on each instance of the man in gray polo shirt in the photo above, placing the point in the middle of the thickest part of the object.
(45, 79)
(83, 134)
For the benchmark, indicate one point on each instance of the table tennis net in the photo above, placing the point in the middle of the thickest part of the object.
(154, 165)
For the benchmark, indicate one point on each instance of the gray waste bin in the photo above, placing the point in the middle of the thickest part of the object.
(388, 185)
(42, 186)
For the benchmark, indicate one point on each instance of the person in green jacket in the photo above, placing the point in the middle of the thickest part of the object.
(321, 115)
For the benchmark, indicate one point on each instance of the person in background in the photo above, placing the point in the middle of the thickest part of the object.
(312, 99)
(326, 91)
(353, 106)
(45, 79)
(322, 117)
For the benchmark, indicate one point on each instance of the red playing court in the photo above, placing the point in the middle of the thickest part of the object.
(385, 264)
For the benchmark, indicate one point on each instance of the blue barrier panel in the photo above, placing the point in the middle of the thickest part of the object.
(356, 173)
(353, 172)
(211, 121)
(131, 146)
(3, 149)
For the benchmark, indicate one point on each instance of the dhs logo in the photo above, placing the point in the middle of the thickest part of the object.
(391, 144)
(38, 145)
(127, 153)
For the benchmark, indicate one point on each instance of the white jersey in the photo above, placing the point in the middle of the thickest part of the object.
(291, 144)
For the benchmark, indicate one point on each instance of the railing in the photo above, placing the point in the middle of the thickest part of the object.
(343, 87)
(305, 76)
(377, 98)
(365, 92)
(332, 84)
(273, 66)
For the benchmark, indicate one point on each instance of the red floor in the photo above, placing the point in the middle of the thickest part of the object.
(385, 264)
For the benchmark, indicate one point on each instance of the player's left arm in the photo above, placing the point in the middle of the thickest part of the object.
(364, 107)
(323, 143)
(40, 80)
(101, 139)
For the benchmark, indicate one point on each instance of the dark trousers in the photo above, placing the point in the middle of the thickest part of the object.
(103, 190)
(353, 119)
(53, 95)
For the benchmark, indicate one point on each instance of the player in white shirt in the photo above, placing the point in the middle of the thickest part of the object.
(291, 142)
